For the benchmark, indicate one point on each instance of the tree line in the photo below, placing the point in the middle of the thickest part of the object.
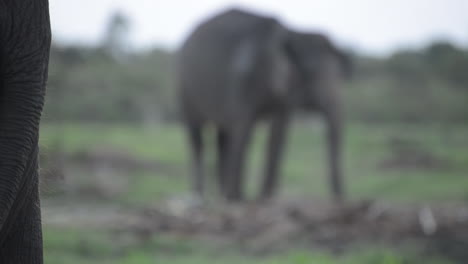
(109, 83)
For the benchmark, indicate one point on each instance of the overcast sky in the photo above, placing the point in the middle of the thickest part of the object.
(375, 26)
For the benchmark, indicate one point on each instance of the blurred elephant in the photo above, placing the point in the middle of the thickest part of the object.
(238, 67)
(24, 52)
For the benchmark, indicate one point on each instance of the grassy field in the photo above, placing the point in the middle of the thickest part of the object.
(436, 169)
(75, 246)
(397, 163)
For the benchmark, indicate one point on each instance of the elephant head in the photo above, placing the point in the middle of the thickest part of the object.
(318, 68)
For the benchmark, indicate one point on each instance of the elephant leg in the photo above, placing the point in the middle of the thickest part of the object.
(196, 146)
(238, 141)
(274, 153)
(222, 147)
(334, 139)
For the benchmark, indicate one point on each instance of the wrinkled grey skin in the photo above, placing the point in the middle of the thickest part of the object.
(237, 68)
(24, 52)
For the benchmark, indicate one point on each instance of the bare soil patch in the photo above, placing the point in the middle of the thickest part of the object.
(269, 227)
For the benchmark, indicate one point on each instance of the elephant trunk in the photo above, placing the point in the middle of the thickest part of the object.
(19, 123)
(24, 58)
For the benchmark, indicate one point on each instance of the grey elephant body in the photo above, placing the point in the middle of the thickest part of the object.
(236, 60)
(24, 51)
(237, 68)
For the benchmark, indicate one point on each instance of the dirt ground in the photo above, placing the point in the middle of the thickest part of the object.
(260, 228)
(265, 227)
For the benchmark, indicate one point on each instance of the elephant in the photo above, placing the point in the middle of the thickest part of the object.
(25, 38)
(237, 68)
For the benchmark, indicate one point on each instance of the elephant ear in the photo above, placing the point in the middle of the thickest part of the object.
(294, 51)
(298, 72)
(281, 64)
(266, 47)
(281, 74)
(344, 60)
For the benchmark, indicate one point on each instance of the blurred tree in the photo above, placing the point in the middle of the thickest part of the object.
(116, 39)
(448, 62)
(86, 84)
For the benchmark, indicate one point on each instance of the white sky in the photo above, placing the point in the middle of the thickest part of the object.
(375, 26)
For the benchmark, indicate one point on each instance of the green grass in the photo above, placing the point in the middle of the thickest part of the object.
(304, 170)
(163, 143)
(304, 174)
(148, 187)
(79, 246)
